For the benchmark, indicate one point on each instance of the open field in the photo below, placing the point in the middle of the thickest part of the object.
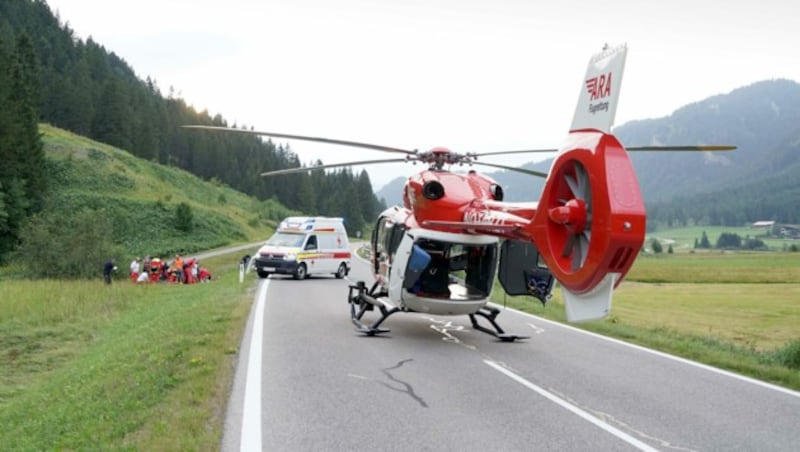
(738, 311)
(683, 238)
(718, 267)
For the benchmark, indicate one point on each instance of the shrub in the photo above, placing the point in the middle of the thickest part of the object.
(183, 217)
(67, 246)
(789, 355)
(729, 240)
(656, 245)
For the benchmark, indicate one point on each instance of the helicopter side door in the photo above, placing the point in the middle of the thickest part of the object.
(386, 238)
(403, 253)
(522, 272)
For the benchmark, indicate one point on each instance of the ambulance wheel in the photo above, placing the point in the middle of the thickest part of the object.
(300, 273)
(262, 274)
(342, 271)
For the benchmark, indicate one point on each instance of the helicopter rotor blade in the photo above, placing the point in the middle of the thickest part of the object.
(573, 186)
(356, 144)
(583, 251)
(707, 148)
(521, 151)
(332, 165)
(512, 168)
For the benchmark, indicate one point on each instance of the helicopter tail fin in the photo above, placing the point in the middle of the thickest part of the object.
(597, 103)
(592, 305)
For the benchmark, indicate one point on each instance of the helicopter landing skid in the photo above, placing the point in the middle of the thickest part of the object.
(364, 301)
(491, 314)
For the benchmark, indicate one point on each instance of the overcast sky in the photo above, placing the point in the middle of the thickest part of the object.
(471, 75)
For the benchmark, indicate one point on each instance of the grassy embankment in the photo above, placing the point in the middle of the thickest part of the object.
(140, 197)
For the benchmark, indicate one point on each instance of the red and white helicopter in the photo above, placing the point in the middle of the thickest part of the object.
(438, 253)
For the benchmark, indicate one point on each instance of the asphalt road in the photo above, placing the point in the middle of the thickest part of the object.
(306, 380)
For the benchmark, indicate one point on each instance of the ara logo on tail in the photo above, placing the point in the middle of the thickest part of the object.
(599, 87)
(597, 103)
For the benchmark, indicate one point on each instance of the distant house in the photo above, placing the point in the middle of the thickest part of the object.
(791, 231)
(763, 225)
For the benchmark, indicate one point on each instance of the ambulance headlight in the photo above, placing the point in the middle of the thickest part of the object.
(289, 257)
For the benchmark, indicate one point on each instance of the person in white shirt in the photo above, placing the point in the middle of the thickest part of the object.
(135, 270)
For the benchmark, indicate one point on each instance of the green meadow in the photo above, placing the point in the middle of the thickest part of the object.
(735, 310)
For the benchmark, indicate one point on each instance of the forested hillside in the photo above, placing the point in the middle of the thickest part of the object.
(80, 86)
(758, 181)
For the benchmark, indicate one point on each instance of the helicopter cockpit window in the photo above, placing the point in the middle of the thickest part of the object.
(452, 270)
(394, 237)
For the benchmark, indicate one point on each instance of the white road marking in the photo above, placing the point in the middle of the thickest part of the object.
(536, 329)
(570, 407)
(763, 384)
(251, 413)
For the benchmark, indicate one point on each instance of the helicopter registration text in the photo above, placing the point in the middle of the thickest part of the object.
(483, 217)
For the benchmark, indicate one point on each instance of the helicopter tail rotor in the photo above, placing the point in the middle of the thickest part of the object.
(590, 222)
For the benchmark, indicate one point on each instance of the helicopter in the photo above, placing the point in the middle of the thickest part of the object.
(439, 252)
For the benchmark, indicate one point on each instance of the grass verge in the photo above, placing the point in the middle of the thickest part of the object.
(89, 366)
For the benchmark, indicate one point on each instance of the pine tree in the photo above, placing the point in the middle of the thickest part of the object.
(22, 105)
(656, 246)
(704, 242)
(21, 153)
(113, 121)
(368, 203)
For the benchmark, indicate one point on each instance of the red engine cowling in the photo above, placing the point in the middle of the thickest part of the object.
(590, 220)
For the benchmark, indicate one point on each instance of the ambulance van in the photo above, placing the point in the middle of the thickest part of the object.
(305, 246)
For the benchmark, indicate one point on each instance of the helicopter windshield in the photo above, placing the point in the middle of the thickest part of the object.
(288, 239)
(456, 271)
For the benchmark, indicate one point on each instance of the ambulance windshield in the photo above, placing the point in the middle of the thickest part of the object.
(289, 239)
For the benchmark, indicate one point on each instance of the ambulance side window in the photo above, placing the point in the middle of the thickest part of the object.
(311, 244)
